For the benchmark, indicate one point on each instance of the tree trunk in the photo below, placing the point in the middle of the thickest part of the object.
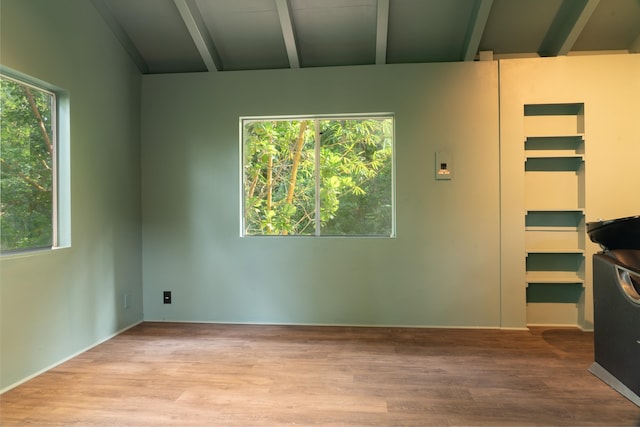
(296, 162)
(294, 168)
(269, 177)
(41, 125)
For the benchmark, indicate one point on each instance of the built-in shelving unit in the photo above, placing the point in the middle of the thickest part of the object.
(554, 167)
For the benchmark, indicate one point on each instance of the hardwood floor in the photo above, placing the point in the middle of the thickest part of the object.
(167, 374)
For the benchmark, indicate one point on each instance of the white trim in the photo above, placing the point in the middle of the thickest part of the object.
(336, 325)
(609, 379)
(335, 116)
(317, 143)
(66, 359)
(28, 81)
(55, 166)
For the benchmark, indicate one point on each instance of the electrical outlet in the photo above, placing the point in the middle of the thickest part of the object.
(166, 297)
(127, 301)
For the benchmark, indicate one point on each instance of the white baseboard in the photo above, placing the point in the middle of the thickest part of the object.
(358, 325)
(560, 325)
(346, 325)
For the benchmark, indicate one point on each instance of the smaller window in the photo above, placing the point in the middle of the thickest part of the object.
(318, 176)
(28, 151)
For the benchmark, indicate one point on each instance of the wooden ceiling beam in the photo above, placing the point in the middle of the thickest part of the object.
(198, 31)
(288, 32)
(479, 19)
(382, 31)
(635, 45)
(565, 29)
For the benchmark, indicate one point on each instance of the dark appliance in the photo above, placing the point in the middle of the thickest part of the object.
(616, 300)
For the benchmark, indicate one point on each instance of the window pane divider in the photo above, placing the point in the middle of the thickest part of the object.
(316, 123)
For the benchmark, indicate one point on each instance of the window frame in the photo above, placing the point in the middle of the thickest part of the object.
(317, 143)
(60, 162)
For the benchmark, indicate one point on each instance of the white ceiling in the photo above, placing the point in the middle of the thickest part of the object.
(174, 36)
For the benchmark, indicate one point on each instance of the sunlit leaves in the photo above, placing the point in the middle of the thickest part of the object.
(354, 176)
(26, 163)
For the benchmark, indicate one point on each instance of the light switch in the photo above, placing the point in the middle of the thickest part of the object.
(444, 165)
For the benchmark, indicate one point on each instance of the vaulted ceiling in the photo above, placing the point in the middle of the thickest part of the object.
(174, 36)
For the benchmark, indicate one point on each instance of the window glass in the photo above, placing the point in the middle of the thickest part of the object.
(27, 166)
(321, 176)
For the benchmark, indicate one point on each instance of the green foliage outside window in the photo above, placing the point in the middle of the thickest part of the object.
(26, 166)
(353, 176)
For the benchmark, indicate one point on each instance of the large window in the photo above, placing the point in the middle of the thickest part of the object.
(28, 195)
(318, 176)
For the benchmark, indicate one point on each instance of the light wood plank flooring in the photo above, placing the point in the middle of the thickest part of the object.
(168, 374)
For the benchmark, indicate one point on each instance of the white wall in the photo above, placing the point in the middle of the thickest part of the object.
(441, 270)
(609, 87)
(54, 304)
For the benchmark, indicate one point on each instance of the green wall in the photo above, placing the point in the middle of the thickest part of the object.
(54, 304)
(441, 270)
(458, 259)
(155, 192)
